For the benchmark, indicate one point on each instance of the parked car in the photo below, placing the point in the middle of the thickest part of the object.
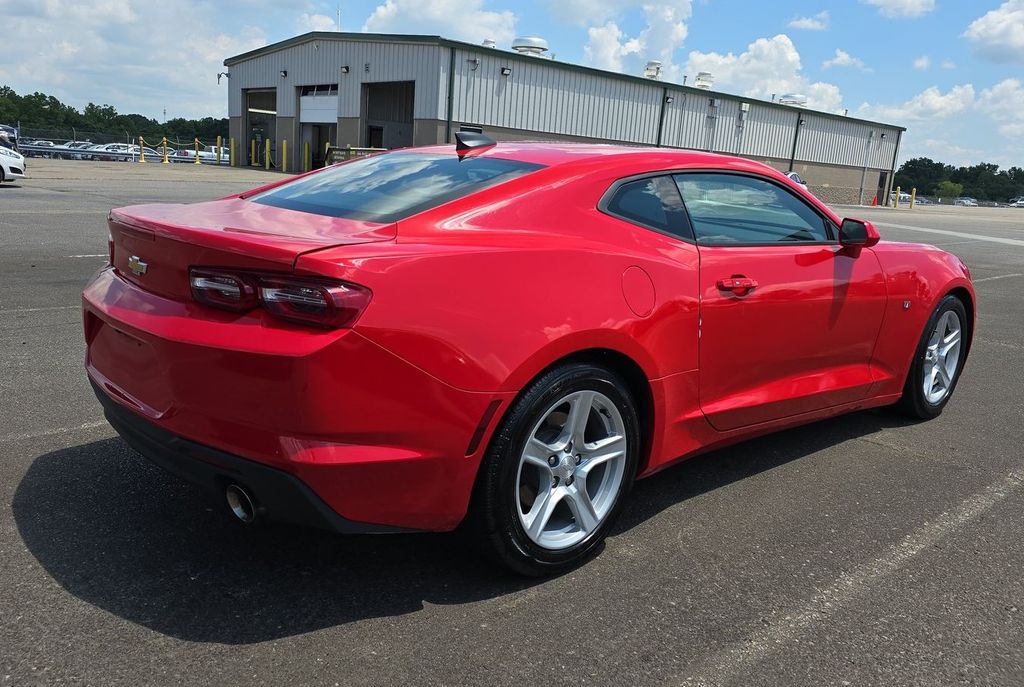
(966, 202)
(96, 151)
(797, 179)
(920, 200)
(12, 164)
(1019, 203)
(502, 334)
(8, 137)
(904, 196)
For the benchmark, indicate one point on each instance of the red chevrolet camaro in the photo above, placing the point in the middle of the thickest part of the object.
(504, 336)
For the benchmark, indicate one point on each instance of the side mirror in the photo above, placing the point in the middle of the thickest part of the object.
(857, 232)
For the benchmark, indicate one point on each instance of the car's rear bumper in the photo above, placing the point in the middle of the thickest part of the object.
(375, 438)
(277, 494)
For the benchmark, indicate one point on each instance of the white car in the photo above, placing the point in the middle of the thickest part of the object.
(966, 202)
(12, 164)
(1019, 203)
(797, 179)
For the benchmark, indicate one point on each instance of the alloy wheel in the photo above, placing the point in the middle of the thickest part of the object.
(571, 470)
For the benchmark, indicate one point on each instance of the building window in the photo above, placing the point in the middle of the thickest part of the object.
(321, 89)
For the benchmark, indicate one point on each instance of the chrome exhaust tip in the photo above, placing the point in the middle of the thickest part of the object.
(240, 503)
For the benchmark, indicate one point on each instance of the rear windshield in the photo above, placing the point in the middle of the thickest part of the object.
(391, 187)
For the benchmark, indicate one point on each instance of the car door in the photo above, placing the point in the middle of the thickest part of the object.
(789, 318)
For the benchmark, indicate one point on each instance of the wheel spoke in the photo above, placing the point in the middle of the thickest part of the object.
(536, 453)
(582, 507)
(579, 415)
(949, 342)
(944, 375)
(541, 510)
(602, 451)
(933, 372)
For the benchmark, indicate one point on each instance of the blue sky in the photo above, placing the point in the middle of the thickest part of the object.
(948, 70)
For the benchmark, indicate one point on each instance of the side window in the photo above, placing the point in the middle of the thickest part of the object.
(653, 202)
(728, 209)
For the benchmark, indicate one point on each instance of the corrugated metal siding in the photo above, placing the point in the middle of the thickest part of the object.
(540, 96)
(768, 132)
(320, 62)
(838, 142)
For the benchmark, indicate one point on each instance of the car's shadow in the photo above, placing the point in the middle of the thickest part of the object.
(119, 533)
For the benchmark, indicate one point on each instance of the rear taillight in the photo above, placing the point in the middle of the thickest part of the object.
(314, 302)
(320, 304)
(223, 289)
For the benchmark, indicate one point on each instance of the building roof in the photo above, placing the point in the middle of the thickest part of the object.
(512, 55)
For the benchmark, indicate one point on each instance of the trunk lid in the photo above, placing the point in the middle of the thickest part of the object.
(155, 245)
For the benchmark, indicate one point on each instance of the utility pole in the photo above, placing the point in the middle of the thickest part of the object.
(338, 14)
(165, 115)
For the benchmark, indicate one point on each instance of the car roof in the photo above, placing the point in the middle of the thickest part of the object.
(551, 154)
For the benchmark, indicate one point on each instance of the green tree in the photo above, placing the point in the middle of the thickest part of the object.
(948, 189)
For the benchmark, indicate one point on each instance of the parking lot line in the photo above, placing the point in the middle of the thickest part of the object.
(787, 625)
(960, 234)
(16, 311)
(1001, 276)
(26, 436)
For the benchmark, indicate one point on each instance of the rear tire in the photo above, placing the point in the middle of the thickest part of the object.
(937, 363)
(557, 472)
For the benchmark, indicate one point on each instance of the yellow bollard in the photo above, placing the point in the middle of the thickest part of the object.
(219, 141)
(266, 154)
(284, 155)
(142, 149)
(165, 160)
(252, 153)
(231, 152)
(197, 150)
(913, 197)
(327, 147)
(305, 156)
(896, 199)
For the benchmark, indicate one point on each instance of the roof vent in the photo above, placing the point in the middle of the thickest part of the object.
(653, 70)
(531, 45)
(704, 80)
(793, 99)
(489, 43)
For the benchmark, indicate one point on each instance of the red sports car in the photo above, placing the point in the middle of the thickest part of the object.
(503, 335)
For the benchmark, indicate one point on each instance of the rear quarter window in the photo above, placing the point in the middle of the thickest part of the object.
(393, 186)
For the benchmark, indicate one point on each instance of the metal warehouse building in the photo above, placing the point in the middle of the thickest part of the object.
(376, 90)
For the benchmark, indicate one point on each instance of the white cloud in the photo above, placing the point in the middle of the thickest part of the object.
(922, 62)
(948, 64)
(769, 66)
(1004, 103)
(110, 52)
(999, 34)
(460, 19)
(818, 22)
(316, 22)
(844, 59)
(902, 8)
(608, 47)
(927, 106)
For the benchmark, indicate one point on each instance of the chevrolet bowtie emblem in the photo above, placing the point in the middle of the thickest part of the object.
(136, 265)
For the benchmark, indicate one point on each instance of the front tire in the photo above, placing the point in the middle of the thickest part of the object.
(938, 360)
(558, 469)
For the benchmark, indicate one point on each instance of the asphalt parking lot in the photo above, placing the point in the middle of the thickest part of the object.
(861, 550)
